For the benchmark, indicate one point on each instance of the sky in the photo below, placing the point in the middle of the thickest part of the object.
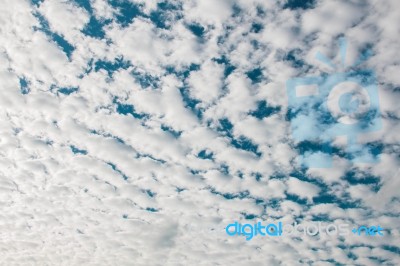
(133, 132)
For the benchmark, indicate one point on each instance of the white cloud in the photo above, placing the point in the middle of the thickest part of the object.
(302, 189)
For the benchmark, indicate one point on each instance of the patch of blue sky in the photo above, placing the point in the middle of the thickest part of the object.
(351, 255)
(225, 127)
(292, 113)
(206, 155)
(293, 57)
(277, 175)
(114, 167)
(257, 176)
(149, 209)
(61, 42)
(84, 4)
(330, 261)
(256, 27)
(37, 2)
(170, 130)
(89, 68)
(65, 46)
(229, 68)
(364, 77)
(302, 175)
(150, 193)
(166, 14)
(236, 11)
(375, 148)
(68, 91)
(195, 172)
(297, 199)
(151, 157)
(345, 202)
(249, 216)
(24, 85)
(361, 178)
(261, 11)
(162, 17)
(263, 204)
(260, 201)
(126, 11)
(191, 103)
(273, 203)
(264, 110)
(369, 120)
(365, 52)
(231, 196)
(390, 248)
(107, 135)
(197, 29)
(321, 217)
(221, 39)
(244, 143)
(145, 80)
(255, 75)
(312, 147)
(299, 4)
(240, 174)
(325, 150)
(224, 169)
(179, 189)
(315, 146)
(95, 28)
(324, 118)
(325, 196)
(184, 72)
(378, 260)
(111, 67)
(128, 109)
(76, 150)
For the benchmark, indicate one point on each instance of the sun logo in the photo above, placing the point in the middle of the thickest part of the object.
(342, 103)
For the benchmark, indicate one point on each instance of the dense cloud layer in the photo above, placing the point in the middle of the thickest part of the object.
(134, 132)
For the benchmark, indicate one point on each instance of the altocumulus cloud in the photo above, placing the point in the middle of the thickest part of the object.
(133, 132)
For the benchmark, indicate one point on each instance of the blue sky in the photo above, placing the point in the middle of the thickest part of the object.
(133, 132)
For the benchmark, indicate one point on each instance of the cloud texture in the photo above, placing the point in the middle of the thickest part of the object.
(133, 132)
